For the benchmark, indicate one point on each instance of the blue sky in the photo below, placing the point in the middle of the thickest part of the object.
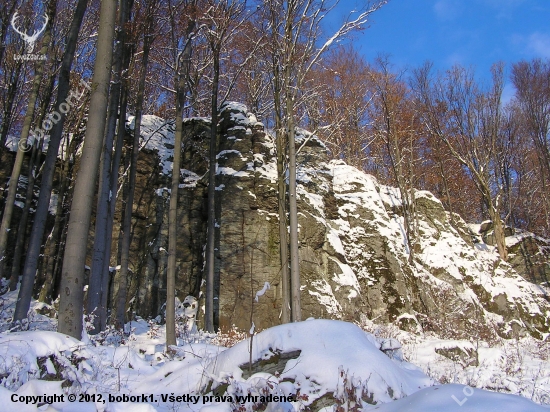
(473, 33)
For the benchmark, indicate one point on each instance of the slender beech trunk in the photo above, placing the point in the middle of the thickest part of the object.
(72, 279)
(55, 244)
(293, 217)
(173, 219)
(31, 177)
(127, 225)
(282, 200)
(211, 225)
(22, 228)
(23, 141)
(52, 248)
(13, 81)
(102, 240)
(292, 201)
(182, 75)
(41, 214)
(121, 133)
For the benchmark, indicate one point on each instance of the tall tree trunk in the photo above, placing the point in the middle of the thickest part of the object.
(293, 217)
(281, 196)
(33, 166)
(172, 222)
(102, 241)
(211, 225)
(498, 228)
(22, 228)
(127, 225)
(53, 245)
(173, 219)
(121, 133)
(292, 201)
(41, 214)
(71, 301)
(181, 77)
(23, 141)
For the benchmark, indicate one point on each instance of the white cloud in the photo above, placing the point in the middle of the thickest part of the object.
(447, 9)
(505, 8)
(539, 44)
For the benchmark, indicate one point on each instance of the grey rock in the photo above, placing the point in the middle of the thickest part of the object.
(354, 261)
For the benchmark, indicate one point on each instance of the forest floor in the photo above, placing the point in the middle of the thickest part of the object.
(318, 365)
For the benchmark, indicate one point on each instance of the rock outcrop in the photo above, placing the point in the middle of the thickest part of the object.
(354, 261)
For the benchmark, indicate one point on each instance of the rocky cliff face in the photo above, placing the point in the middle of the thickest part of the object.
(353, 258)
(354, 261)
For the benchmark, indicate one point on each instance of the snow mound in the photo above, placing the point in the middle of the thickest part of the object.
(26, 347)
(328, 350)
(459, 398)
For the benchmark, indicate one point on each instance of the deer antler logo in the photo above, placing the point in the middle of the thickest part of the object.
(28, 39)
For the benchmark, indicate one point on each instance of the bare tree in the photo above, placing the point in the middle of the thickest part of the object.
(220, 21)
(393, 124)
(470, 131)
(99, 276)
(294, 29)
(72, 280)
(40, 216)
(339, 108)
(32, 173)
(148, 37)
(532, 82)
(14, 77)
(181, 60)
(24, 143)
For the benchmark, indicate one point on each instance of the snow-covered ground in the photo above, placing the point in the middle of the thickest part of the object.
(317, 364)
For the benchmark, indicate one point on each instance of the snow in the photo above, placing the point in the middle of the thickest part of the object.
(459, 398)
(335, 242)
(521, 235)
(234, 106)
(325, 296)
(262, 291)
(157, 134)
(268, 170)
(11, 143)
(346, 277)
(230, 172)
(226, 153)
(52, 208)
(329, 356)
(325, 346)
